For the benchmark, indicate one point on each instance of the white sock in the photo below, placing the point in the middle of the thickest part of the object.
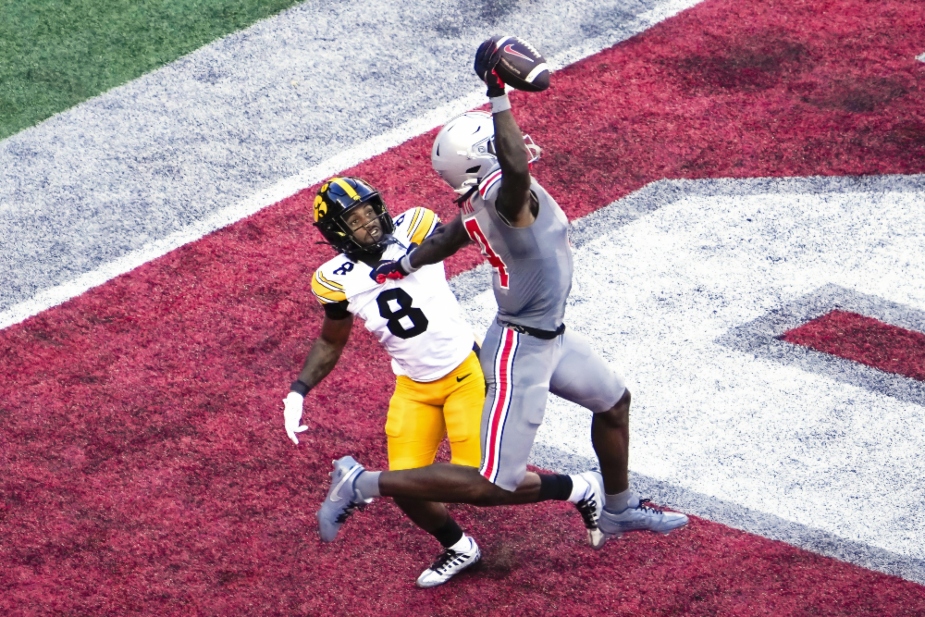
(580, 488)
(367, 483)
(464, 544)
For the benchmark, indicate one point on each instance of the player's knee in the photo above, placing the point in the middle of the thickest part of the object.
(618, 416)
(625, 399)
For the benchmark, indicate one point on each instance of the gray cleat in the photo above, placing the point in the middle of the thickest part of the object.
(342, 499)
(641, 518)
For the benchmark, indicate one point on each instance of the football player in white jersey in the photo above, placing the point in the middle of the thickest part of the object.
(439, 389)
(440, 386)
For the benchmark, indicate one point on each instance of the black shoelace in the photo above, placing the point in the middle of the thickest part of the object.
(447, 558)
(587, 510)
(343, 516)
(644, 505)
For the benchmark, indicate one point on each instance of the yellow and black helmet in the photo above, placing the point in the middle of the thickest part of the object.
(334, 200)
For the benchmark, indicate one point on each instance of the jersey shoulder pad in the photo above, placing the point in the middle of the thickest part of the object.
(490, 184)
(416, 224)
(325, 284)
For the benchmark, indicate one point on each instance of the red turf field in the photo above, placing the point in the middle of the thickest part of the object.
(145, 468)
(865, 340)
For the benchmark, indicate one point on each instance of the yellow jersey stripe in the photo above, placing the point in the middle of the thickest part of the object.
(321, 282)
(424, 226)
(415, 219)
(328, 282)
(326, 294)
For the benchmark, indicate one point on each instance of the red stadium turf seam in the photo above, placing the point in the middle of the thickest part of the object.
(866, 340)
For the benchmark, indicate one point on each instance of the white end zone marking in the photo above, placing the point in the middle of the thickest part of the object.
(663, 274)
(771, 437)
(286, 187)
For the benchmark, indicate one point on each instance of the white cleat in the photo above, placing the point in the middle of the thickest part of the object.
(590, 507)
(449, 564)
(641, 518)
(342, 498)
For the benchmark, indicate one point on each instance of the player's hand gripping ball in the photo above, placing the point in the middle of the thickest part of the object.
(513, 61)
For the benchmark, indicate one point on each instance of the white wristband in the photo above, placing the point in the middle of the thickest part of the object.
(405, 263)
(499, 104)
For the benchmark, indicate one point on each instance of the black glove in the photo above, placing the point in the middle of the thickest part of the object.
(388, 270)
(486, 59)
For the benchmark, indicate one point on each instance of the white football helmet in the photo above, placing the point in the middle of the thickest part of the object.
(464, 150)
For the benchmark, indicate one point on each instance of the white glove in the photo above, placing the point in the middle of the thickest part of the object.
(292, 415)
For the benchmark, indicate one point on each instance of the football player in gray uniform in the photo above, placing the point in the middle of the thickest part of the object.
(527, 352)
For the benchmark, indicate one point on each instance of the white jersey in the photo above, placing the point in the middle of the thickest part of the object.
(417, 319)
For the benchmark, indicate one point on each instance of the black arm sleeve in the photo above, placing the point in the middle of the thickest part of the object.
(336, 310)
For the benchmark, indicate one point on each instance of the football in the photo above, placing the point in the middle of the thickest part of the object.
(521, 66)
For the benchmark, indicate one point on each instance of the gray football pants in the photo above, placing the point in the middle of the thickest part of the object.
(520, 371)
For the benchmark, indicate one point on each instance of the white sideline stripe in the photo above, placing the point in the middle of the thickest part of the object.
(282, 189)
(253, 204)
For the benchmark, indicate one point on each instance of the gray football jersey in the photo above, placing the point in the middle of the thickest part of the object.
(532, 265)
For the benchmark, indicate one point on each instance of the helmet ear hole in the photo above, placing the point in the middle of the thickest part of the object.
(473, 170)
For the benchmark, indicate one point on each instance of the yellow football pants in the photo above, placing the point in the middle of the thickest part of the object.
(420, 414)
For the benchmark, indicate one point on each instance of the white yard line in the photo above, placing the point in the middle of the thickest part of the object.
(248, 120)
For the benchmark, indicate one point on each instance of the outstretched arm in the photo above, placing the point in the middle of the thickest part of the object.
(322, 358)
(443, 242)
(513, 201)
(326, 350)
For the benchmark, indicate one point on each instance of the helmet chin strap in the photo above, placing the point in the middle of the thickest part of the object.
(374, 252)
(389, 239)
(459, 200)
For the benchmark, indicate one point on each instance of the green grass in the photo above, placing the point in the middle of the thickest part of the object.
(57, 53)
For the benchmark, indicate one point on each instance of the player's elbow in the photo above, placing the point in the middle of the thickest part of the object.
(448, 243)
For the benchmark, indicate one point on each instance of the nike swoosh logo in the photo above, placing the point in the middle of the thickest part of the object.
(349, 476)
(509, 49)
(458, 379)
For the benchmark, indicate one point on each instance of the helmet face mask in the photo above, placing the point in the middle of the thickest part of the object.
(336, 200)
(464, 150)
